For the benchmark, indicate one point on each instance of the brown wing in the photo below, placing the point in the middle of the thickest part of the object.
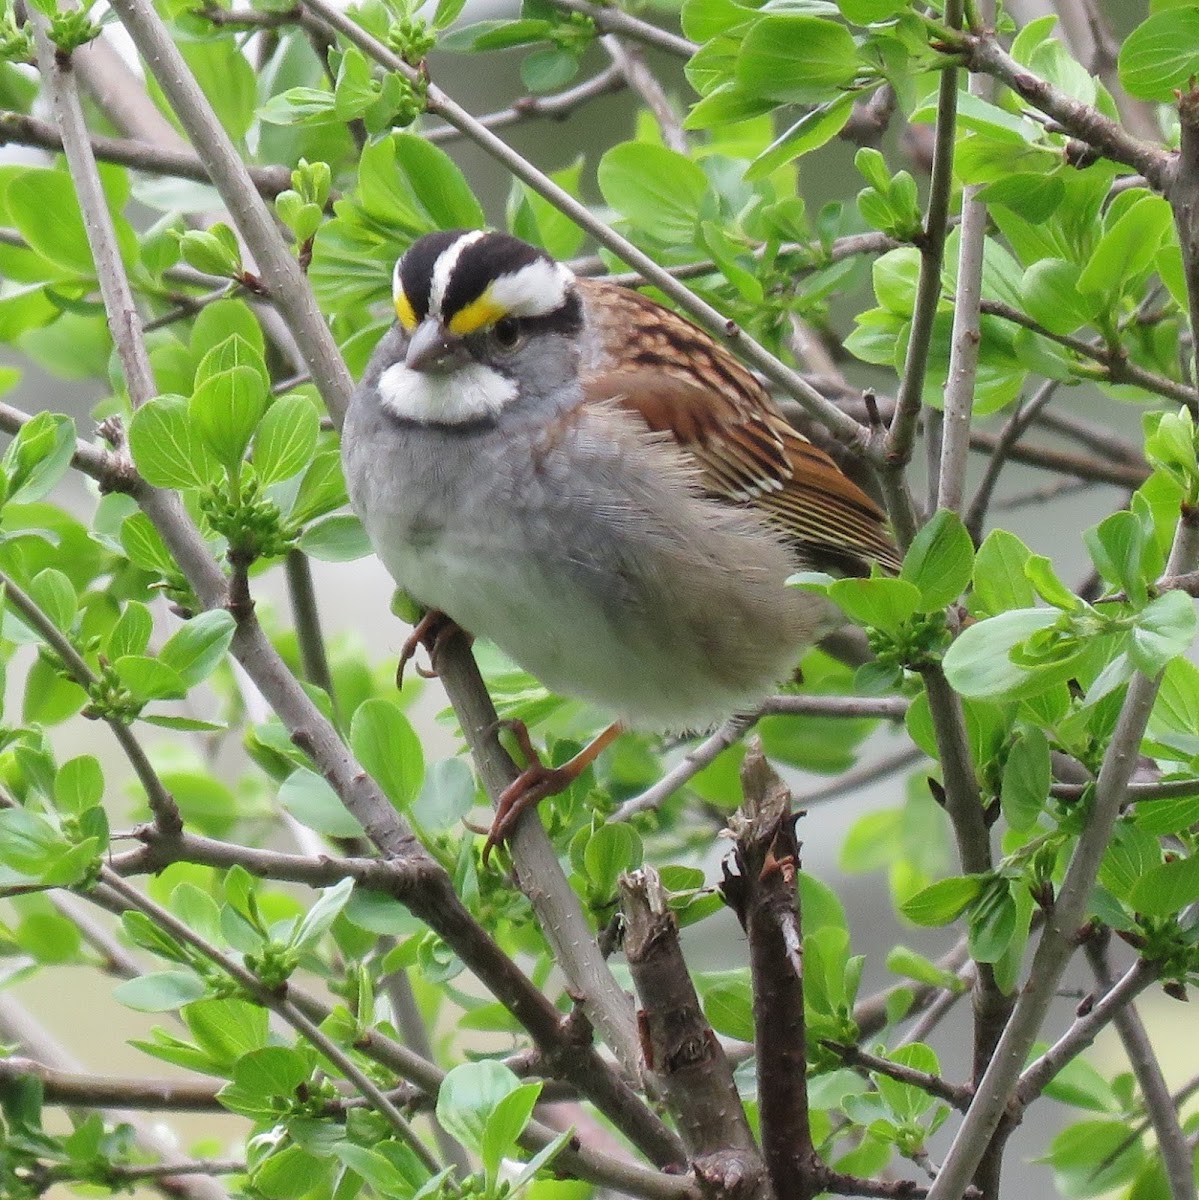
(682, 382)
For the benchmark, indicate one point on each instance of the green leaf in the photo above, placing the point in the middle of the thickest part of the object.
(159, 991)
(943, 901)
(1128, 248)
(131, 633)
(79, 784)
(870, 12)
(469, 1095)
(1027, 775)
(272, 1071)
(881, 603)
(903, 961)
(446, 796)
(979, 661)
(1117, 548)
(232, 351)
(38, 457)
(43, 206)
(611, 850)
(322, 488)
(338, 537)
(1052, 296)
(658, 190)
(1038, 570)
(906, 1101)
(992, 923)
(796, 59)
(436, 184)
(29, 843)
(505, 1125)
(940, 560)
(318, 920)
(386, 745)
(728, 1005)
(315, 804)
(447, 12)
(194, 651)
(1176, 709)
(227, 78)
(227, 1028)
(225, 410)
(1163, 631)
(1167, 888)
(216, 323)
(548, 69)
(1161, 54)
(809, 133)
(148, 678)
(55, 595)
(1132, 852)
(214, 251)
(49, 698)
(286, 439)
(167, 449)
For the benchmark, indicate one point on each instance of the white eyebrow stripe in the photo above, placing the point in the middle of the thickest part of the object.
(533, 290)
(397, 288)
(443, 269)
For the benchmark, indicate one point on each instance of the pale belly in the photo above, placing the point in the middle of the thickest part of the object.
(561, 634)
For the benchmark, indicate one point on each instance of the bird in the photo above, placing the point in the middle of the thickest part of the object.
(588, 480)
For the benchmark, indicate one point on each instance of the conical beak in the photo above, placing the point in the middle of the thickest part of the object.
(431, 347)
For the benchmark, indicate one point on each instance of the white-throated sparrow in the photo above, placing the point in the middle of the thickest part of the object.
(574, 472)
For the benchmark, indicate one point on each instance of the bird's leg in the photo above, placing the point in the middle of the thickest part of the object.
(537, 781)
(432, 631)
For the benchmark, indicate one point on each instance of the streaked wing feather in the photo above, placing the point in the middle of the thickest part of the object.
(684, 383)
(751, 455)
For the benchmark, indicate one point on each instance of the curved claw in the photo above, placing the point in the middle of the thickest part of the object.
(537, 781)
(432, 631)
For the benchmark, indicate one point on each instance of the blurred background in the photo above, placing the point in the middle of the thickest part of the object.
(354, 597)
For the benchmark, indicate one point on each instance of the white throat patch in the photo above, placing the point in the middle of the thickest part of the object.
(468, 393)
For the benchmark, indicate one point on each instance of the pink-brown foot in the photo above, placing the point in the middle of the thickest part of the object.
(537, 781)
(433, 631)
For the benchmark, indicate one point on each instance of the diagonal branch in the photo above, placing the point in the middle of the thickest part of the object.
(441, 105)
(1058, 941)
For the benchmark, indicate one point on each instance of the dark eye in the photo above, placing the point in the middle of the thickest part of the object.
(507, 333)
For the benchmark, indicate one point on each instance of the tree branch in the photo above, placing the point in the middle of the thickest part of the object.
(763, 894)
(22, 130)
(162, 803)
(984, 54)
(1159, 1104)
(679, 1046)
(1058, 939)
(615, 20)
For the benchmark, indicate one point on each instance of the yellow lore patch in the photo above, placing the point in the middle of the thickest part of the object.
(477, 314)
(405, 313)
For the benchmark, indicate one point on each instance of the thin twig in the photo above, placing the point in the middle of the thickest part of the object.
(1118, 367)
(23, 130)
(615, 20)
(632, 65)
(162, 803)
(1082, 1033)
(1058, 939)
(1159, 1104)
(554, 107)
(954, 1095)
(440, 104)
(902, 433)
(965, 338)
(1011, 433)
